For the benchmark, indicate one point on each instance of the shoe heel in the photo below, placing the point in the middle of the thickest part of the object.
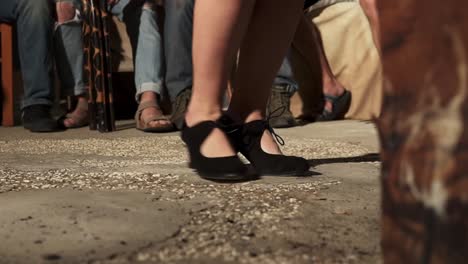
(226, 169)
(265, 163)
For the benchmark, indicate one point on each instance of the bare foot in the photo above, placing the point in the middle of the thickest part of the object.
(80, 116)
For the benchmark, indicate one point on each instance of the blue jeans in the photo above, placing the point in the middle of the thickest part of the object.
(178, 50)
(34, 30)
(68, 40)
(171, 62)
(162, 61)
(178, 30)
(147, 44)
(285, 77)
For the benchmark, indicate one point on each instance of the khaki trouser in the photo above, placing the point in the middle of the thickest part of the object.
(353, 57)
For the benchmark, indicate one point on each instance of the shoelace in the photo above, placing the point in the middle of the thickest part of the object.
(247, 139)
(272, 115)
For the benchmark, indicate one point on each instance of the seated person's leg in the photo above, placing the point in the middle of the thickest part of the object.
(370, 9)
(34, 27)
(149, 63)
(7, 10)
(337, 99)
(178, 53)
(69, 59)
(149, 72)
(284, 87)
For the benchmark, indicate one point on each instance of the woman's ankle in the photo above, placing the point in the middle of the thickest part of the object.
(195, 116)
(333, 88)
(82, 102)
(149, 96)
(254, 116)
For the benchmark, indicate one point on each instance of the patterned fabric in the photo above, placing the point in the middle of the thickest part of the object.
(98, 65)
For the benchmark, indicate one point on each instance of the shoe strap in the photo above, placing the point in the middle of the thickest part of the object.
(331, 98)
(145, 105)
(259, 127)
(199, 132)
(148, 104)
(334, 98)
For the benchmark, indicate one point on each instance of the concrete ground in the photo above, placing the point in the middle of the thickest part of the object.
(128, 197)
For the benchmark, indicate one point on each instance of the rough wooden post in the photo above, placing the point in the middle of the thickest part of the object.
(7, 75)
(424, 131)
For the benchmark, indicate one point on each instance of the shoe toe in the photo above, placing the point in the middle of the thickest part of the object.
(285, 166)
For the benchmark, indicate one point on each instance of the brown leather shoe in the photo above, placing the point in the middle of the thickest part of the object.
(278, 109)
(179, 108)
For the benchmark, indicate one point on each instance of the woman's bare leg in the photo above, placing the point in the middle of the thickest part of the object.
(218, 31)
(263, 49)
(309, 44)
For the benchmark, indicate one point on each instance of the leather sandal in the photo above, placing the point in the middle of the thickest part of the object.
(340, 106)
(144, 124)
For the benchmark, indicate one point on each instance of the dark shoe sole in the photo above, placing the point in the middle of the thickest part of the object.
(249, 175)
(283, 124)
(38, 129)
(289, 174)
(158, 129)
(295, 173)
(227, 177)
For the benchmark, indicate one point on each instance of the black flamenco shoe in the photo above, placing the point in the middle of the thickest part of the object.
(249, 144)
(222, 169)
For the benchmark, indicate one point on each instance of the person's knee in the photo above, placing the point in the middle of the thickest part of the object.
(149, 6)
(179, 6)
(36, 10)
(67, 12)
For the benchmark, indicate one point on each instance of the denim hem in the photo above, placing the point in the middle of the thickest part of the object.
(148, 87)
(30, 102)
(76, 90)
(80, 90)
(286, 87)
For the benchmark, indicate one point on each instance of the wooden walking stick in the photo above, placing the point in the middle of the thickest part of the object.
(98, 65)
(424, 131)
(88, 65)
(108, 87)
